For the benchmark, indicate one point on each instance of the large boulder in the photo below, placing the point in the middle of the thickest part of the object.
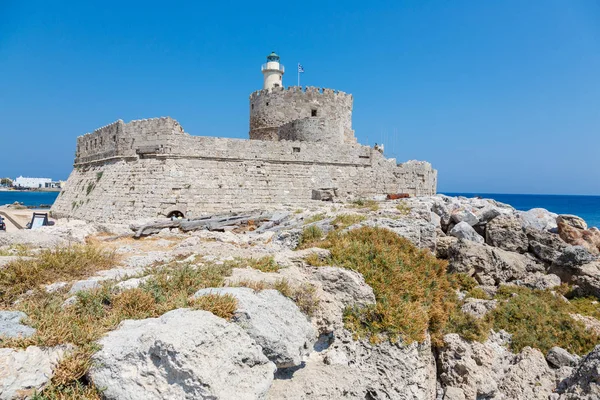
(507, 233)
(184, 354)
(572, 221)
(559, 357)
(538, 218)
(528, 377)
(273, 321)
(11, 326)
(488, 370)
(24, 372)
(490, 265)
(464, 215)
(584, 383)
(570, 229)
(358, 370)
(474, 368)
(463, 230)
(545, 245)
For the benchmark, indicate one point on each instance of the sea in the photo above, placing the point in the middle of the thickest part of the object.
(33, 199)
(587, 207)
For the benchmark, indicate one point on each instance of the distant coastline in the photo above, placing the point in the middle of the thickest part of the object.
(42, 190)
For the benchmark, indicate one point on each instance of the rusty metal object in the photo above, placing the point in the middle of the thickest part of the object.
(395, 196)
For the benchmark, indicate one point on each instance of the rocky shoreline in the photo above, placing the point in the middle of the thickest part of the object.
(281, 329)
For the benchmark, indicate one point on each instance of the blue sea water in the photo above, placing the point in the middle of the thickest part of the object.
(586, 207)
(28, 198)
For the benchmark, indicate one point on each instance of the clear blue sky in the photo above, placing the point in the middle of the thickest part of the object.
(500, 96)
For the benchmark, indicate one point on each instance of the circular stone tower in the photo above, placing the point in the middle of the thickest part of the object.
(273, 72)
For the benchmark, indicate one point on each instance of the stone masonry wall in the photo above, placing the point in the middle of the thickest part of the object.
(270, 109)
(198, 175)
(312, 129)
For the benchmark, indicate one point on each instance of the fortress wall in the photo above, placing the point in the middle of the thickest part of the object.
(282, 151)
(124, 190)
(313, 129)
(100, 144)
(123, 139)
(270, 109)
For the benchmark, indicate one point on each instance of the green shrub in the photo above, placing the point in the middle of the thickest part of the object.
(540, 319)
(310, 235)
(411, 286)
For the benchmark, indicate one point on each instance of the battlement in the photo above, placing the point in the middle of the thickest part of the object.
(117, 138)
(277, 91)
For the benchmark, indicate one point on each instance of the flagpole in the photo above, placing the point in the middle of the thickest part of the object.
(298, 69)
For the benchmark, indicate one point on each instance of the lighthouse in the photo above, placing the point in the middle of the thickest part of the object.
(273, 72)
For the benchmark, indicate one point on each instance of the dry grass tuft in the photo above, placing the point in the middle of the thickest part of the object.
(223, 306)
(412, 289)
(346, 220)
(68, 263)
(315, 218)
(362, 203)
(263, 264)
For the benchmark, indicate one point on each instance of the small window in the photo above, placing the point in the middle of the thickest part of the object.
(252, 106)
(114, 138)
(95, 143)
(267, 103)
(313, 113)
(296, 149)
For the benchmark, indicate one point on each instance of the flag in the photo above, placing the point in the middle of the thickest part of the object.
(300, 68)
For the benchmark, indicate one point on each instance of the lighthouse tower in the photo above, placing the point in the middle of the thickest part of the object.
(273, 72)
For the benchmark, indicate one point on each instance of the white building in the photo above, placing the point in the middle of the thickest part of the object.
(33, 183)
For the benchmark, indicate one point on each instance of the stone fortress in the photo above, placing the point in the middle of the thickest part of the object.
(301, 141)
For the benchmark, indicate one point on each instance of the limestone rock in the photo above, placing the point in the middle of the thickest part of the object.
(24, 372)
(569, 231)
(184, 354)
(348, 286)
(572, 221)
(11, 326)
(463, 230)
(539, 218)
(489, 370)
(473, 367)
(506, 233)
(273, 321)
(584, 383)
(545, 245)
(489, 265)
(571, 257)
(464, 215)
(358, 370)
(452, 393)
(559, 357)
(540, 281)
(442, 246)
(478, 307)
(528, 377)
